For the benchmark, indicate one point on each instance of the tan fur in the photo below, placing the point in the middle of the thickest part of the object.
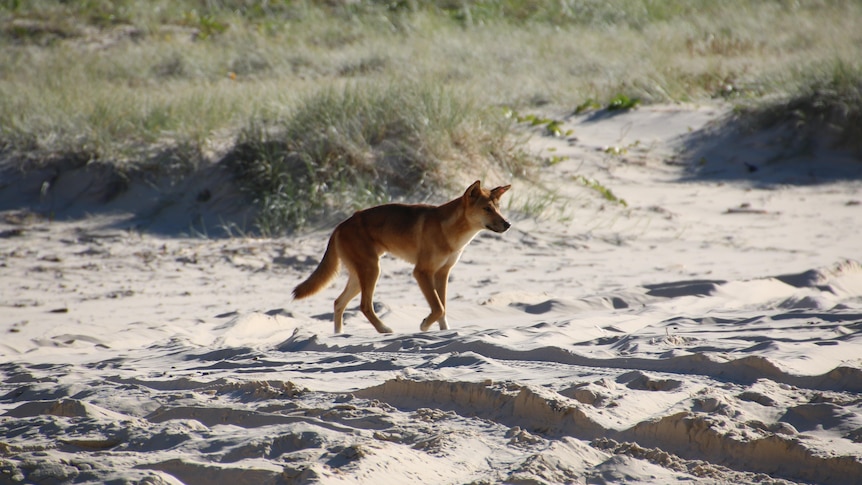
(430, 237)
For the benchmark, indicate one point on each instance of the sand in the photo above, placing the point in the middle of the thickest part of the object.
(708, 331)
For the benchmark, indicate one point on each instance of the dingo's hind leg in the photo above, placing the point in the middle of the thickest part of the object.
(350, 292)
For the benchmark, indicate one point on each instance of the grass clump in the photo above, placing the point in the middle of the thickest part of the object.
(827, 100)
(345, 148)
(605, 192)
(552, 127)
(621, 102)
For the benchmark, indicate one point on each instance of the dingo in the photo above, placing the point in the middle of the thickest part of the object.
(430, 237)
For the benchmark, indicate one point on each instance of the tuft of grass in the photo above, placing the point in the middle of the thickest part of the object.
(621, 102)
(540, 202)
(605, 192)
(342, 149)
(552, 127)
(827, 100)
(207, 25)
(587, 106)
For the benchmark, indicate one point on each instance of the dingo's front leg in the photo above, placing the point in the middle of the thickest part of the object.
(426, 284)
(441, 281)
(368, 275)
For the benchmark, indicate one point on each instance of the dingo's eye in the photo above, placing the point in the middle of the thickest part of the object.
(489, 210)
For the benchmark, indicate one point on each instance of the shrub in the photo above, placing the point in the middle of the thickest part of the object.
(341, 149)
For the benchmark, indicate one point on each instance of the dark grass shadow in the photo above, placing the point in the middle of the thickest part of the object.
(741, 148)
(203, 202)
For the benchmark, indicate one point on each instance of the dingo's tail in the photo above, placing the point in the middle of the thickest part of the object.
(326, 270)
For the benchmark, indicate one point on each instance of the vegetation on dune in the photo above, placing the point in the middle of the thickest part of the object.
(323, 105)
(826, 100)
(362, 144)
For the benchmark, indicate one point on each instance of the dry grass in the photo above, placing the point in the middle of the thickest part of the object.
(824, 104)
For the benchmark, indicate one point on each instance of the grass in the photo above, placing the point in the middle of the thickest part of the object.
(120, 80)
(604, 191)
(621, 102)
(345, 148)
(825, 100)
(552, 127)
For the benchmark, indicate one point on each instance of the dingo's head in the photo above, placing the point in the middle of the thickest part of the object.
(482, 207)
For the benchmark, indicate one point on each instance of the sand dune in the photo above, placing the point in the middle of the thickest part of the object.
(708, 331)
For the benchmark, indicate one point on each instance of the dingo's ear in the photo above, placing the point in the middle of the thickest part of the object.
(496, 193)
(474, 190)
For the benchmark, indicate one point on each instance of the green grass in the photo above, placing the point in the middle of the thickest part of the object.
(621, 102)
(345, 148)
(116, 81)
(552, 127)
(604, 191)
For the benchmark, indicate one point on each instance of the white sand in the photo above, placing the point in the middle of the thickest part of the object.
(709, 332)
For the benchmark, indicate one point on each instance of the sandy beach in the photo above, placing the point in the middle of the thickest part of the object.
(709, 330)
